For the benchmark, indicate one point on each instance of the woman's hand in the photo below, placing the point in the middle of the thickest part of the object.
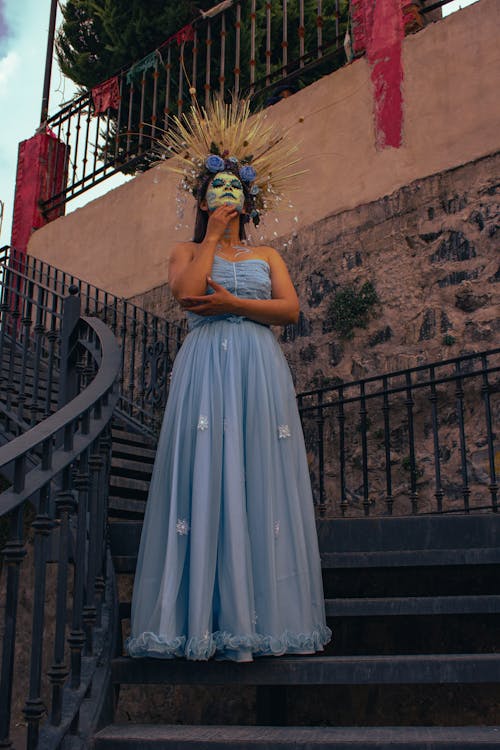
(219, 220)
(221, 301)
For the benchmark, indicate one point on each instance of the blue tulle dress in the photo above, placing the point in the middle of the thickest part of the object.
(228, 564)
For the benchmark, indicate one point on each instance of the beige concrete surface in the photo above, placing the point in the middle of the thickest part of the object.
(121, 241)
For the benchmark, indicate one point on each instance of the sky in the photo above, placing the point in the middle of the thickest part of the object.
(23, 41)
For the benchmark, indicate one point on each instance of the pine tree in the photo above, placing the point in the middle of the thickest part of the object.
(99, 37)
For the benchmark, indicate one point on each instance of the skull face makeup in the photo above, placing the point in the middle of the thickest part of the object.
(225, 190)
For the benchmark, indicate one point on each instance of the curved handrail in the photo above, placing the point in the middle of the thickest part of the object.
(101, 385)
(69, 488)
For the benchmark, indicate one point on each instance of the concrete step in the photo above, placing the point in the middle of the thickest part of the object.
(398, 606)
(412, 605)
(133, 452)
(314, 670)
(177, 737)
(127, 437)
(125, 508)
(127, 486)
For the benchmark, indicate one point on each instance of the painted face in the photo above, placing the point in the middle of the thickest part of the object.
(225, 190)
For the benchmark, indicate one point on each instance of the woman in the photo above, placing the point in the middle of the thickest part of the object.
(228, 564)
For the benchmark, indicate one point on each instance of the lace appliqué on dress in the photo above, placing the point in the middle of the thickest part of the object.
(182, 526)
(203, 423)
(284, 431)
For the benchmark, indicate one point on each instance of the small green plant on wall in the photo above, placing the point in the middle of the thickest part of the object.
(351, 308)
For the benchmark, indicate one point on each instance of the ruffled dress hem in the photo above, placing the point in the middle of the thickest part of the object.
(224, 645)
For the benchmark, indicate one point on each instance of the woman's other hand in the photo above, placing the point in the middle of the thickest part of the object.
(221, 301)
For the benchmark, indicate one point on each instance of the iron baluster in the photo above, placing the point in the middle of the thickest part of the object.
(26, 325)
(237, 51)
(118, 123)
(320, 421)
(129, 123)
(85, 157)
(77, 141)
(208, 63)
(102, 509)
(105, 150)
(319, 28)
(168, 68)
(96, 301)
(485, 390)
(39, 331)
(87, 298)
(194, 70)
(154, 116)
(141, 111)
(222, 69)
(411, 440)
(341, 421)
(459, 395)
(253, 62)
(131, 380)
(123, 339)
(302, 33)
(387, 444)
(268, 43)
(97, 127)
(15, 314)
(166, 338)
(114, 323)
(52, 337)
(438, 493)
(76, 638)
(13, 555)
(34, 708)
(89, 615)
(105, 308)
(364, 448)
(65, 506)
(144, 347)
(284, 41)
(181, 80)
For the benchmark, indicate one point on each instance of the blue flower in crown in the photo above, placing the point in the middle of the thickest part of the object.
(248, 173)
(214, 163)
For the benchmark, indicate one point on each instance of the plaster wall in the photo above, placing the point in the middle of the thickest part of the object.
(121, 241)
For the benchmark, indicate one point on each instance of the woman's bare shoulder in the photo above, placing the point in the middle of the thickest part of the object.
(268, 253)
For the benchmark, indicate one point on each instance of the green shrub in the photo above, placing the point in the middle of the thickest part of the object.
(351, 308)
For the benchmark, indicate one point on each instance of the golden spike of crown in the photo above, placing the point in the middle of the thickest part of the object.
(229, 130)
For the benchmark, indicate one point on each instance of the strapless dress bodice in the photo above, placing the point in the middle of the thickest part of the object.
(249, 279)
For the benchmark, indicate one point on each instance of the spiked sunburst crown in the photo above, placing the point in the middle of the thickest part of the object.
(226, 136)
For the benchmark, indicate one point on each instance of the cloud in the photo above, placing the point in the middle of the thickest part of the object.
(4, 28)
(8, 66)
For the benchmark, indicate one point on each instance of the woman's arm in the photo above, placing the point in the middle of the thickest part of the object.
(190, 263)
(281, 309)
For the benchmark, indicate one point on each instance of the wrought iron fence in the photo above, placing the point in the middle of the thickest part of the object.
(246, 46)
(420, 440)
(53, 509)
(149, 342)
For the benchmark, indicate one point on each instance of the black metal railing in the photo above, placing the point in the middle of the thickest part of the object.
(149, 342)
(398, 443)
(53, 513)
(248, 46)
(420, 440)
(245, 46)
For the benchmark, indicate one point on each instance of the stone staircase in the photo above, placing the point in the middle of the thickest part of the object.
(414, 604)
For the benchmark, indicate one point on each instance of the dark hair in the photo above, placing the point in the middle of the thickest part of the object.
(201, 221)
